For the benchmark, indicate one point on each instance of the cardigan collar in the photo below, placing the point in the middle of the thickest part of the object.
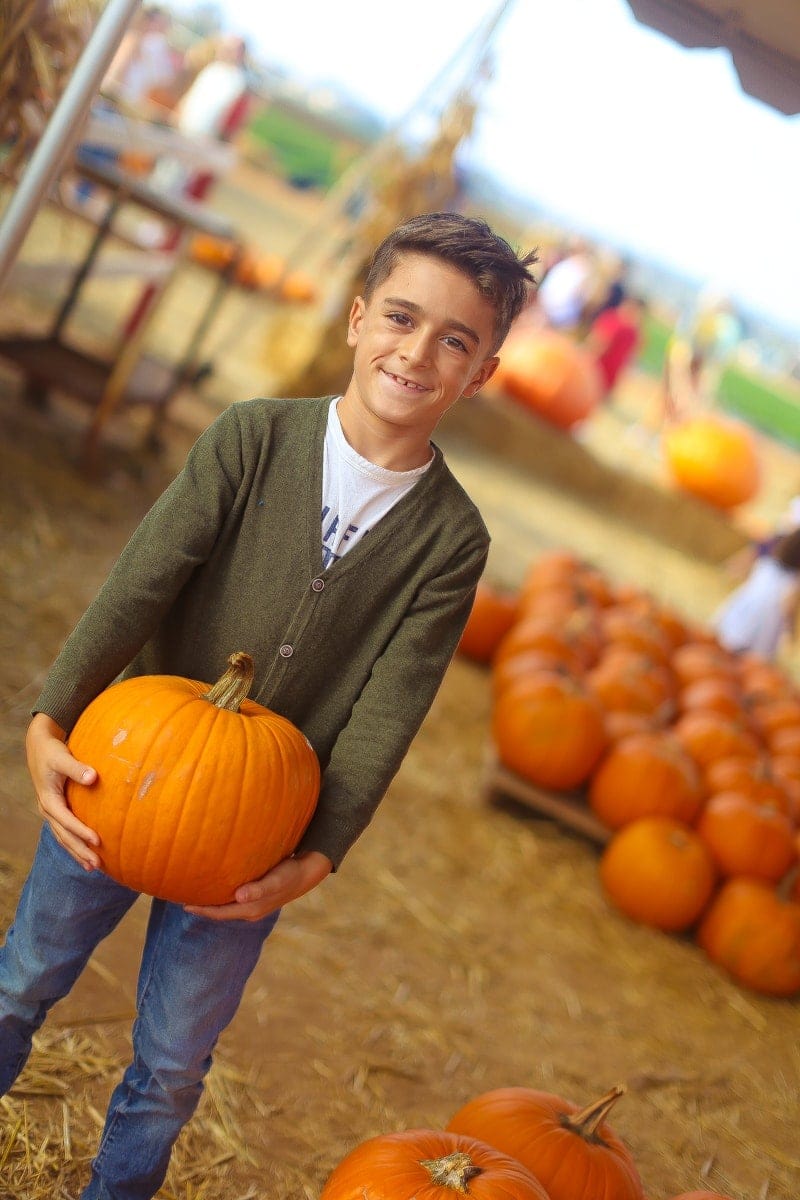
(414, 501)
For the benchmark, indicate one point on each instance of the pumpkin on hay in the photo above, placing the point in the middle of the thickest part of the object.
(572, 1150)
(552, 375)
(753, 932)
(713, 458)
(433, 1164)
(659, 872)
(199, 789)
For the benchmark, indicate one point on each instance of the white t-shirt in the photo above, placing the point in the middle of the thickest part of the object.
(355, 492)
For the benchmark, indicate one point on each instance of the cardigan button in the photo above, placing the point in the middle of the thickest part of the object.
(286, 651)
(317, 585)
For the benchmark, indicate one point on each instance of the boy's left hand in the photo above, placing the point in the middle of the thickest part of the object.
(287, 881)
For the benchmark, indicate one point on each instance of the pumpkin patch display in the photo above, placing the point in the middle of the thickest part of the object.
(644, 727)
(572, 1150)
(199, 789)
(429, 1164)
(713, 458)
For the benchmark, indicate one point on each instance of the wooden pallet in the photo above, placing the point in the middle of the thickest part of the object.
(568, 808)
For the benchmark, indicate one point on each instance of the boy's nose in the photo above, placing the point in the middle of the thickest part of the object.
(417, 347)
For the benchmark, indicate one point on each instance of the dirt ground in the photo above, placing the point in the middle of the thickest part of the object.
(464, 944)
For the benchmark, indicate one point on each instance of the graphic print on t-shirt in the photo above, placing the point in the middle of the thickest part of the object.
(335, 537)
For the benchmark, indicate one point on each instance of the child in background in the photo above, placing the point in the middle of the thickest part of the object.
(760, 613)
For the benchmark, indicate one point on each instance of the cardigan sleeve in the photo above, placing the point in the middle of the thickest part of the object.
(393, 704)
(174, 537)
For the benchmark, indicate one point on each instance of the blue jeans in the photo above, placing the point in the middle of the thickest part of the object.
(191, 979)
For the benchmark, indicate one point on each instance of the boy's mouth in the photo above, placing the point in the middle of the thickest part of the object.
(403, 382)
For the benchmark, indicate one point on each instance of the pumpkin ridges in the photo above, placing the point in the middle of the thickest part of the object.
(531, 1126)
(393, 1165)
(207, 816)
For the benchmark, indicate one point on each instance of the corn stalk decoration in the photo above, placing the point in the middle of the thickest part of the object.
(40, 42)
(407, 185)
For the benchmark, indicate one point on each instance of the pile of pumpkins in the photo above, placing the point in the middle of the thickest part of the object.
(688, 754)
(514, 1143)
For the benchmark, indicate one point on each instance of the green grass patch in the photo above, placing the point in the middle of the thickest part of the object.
(301, 153)
(769, 405)
(655, 335)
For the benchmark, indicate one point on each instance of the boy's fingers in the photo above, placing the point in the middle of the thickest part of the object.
(65, 764)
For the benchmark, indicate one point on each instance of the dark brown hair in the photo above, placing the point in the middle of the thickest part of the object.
(787, 551)
(472, 247)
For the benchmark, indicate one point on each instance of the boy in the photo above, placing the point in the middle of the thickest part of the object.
(351, 626)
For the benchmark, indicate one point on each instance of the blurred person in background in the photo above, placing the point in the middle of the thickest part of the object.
(762, 611)
(614, 338)
(567, 289)
(696, 355)
(144, 63)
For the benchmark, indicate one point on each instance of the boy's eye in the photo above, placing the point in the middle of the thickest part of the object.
(455, 342)
(400, 318)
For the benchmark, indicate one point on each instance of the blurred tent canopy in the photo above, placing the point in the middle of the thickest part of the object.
(763, 37)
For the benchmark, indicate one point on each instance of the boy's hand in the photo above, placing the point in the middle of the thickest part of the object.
(51, 764)
(290, 879)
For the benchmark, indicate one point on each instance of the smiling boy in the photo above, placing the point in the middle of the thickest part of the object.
(351, 621)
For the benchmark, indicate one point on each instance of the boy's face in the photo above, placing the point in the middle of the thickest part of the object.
(422, 340)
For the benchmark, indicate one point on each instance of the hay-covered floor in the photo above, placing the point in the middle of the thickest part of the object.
(462, 946)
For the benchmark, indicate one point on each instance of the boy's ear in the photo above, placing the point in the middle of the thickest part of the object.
(481, 376)
(354, 320)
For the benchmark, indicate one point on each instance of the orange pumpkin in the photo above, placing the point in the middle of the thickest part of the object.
(644, 775)
(751, 777)
(625, 680)
(199, 789)
(746, 837)
(575, 637)
(716, 693)
(572, 1150)
(549, 730)
(754, 934)
(551, 375)
(659, 872)
(211, 251)
(708, 735)
(713, 458)
(428, 1164)
(492, 615)
(695, 660)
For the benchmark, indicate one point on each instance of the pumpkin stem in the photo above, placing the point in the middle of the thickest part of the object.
(231, 688)
(586, 1122)
(453, 1171)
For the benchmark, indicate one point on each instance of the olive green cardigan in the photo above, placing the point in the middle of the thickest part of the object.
(229, 558)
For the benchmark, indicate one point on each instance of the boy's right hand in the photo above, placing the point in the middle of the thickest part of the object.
(51, 764)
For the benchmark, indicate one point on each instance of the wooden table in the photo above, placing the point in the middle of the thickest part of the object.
(128, 376)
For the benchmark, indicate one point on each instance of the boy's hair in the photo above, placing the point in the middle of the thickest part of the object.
(469, 245)
(787, 551)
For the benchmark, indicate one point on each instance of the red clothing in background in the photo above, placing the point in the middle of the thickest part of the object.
(613, 338)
